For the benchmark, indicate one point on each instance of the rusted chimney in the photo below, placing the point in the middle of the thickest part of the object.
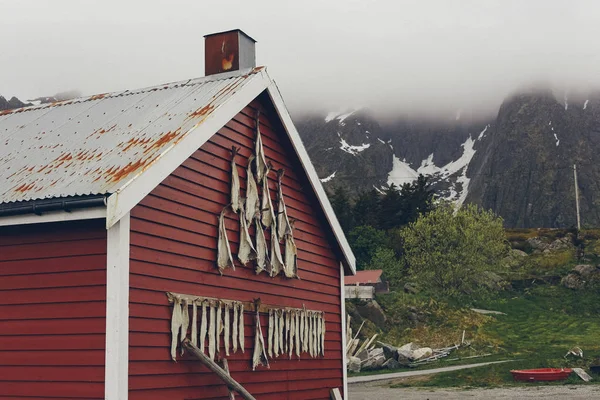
(228, 51)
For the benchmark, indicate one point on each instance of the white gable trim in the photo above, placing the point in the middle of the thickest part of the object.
(344, 338)
(122, 201)
(55, 216)
(116, 356)
(313, 178)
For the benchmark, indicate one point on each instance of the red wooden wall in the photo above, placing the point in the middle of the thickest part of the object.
(52, 310)
(173, 248)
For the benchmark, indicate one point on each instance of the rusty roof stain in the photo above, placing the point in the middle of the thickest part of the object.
(94, 145)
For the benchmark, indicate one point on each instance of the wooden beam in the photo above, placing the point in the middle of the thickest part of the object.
(226, 368)
(214, 367)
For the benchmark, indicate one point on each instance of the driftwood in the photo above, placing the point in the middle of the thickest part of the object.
(335, 394)
(226, 368)
(214, 367)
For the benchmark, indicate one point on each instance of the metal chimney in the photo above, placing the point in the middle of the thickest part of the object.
(228, 51)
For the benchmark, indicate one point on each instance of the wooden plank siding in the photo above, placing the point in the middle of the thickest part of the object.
(173, 248)
(52, 310)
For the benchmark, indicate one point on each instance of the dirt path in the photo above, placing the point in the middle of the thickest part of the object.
(372, 391)
(396, 375)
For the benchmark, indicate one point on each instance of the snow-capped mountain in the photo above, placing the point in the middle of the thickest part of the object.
(518, 163)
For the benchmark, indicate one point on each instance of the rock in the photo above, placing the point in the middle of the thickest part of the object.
(572, 281)
(411, 288)
(375, 362)
(391, 363)
(537, 243)
(372, 311)
(363, 355)
(376, 352)
(585, 270)
(517, 253)
(423, 352)
(354, 364)
(402, 359)
(389, 351)
(491, 280)
(407, 351)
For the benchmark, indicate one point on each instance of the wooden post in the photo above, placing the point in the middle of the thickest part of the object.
(214, 367)
(226, 368)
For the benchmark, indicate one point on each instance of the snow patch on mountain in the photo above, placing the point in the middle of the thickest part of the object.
(585, 104)
(354, 150)
(327, 179)
(401, 173)
(339, 115)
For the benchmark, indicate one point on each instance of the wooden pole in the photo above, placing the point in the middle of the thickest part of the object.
(214, 367)
(226, 368)
(577, 198)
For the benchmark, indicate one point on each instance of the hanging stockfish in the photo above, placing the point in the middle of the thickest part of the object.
(235, 181)
(226, 328)
(259, 357)
(276, 332)
(246, 250)
(203, 326)
(219, 328)
(234, 333)
(290, 262)
(252, 200)
(262, 256)
(297, 333)
(194, 324)
(176, 322)
(270, 334)
(185, 322)
(303, 329)
(212, 330)
(319, 332)
(276, 261)
(287, 331)
(261, 164)
(241, 327)
(311, 328)
(224, 257)
(323, 334)
(291, 333)
(281, 329)
(267, 210)
(315, 334)
(306, 329)
(283, 222)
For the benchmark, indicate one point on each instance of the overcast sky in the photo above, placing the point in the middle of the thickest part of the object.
(392, 55)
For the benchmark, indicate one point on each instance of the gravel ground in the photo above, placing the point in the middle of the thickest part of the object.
(374, 391)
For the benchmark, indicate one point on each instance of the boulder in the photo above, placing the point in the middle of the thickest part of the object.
(402, 359)
(374, 362)
(423, 352)
(372, 311)
(573, 281)
(407, 351)
(585, 270)
(363, 355)
(537, 243)
(354, 364)
(389, 351)
(515, 253)
(391, 363)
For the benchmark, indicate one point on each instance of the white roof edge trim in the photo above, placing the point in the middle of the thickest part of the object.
(134, 191)
(313, 178)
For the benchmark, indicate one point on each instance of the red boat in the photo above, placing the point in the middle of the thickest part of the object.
(541, 374)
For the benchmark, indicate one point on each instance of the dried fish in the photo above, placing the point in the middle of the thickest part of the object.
(262, 256)
(241, 327)
(260, 152)
(303, 328)
(226, 328)
(194, 324)
(252, 200)
(281, 327)
(310, 334)
(276, 333)
(319, 331)
(267, 210)
(246, 250)
(283, 222)
(315, 335)
(270, 334)
(203, 327)
(323, 335)
(212, 330)
(224, 257)
(235, 182)
(306, 329)
(291, 332)
(259, 357)
(176, 322)
(297, 334)
(185, 321)
(276, 261)
(234, 333)
(287, 331)
(219, 328)
(290, 265)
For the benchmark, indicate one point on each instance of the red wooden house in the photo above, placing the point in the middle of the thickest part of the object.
(111, 201)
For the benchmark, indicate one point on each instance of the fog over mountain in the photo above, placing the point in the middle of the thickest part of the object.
(417, 57)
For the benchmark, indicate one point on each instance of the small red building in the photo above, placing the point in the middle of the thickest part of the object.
(365, 284)
(111, 201)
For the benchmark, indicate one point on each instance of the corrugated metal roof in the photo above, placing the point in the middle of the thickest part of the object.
(370, 276)
(95, 145)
